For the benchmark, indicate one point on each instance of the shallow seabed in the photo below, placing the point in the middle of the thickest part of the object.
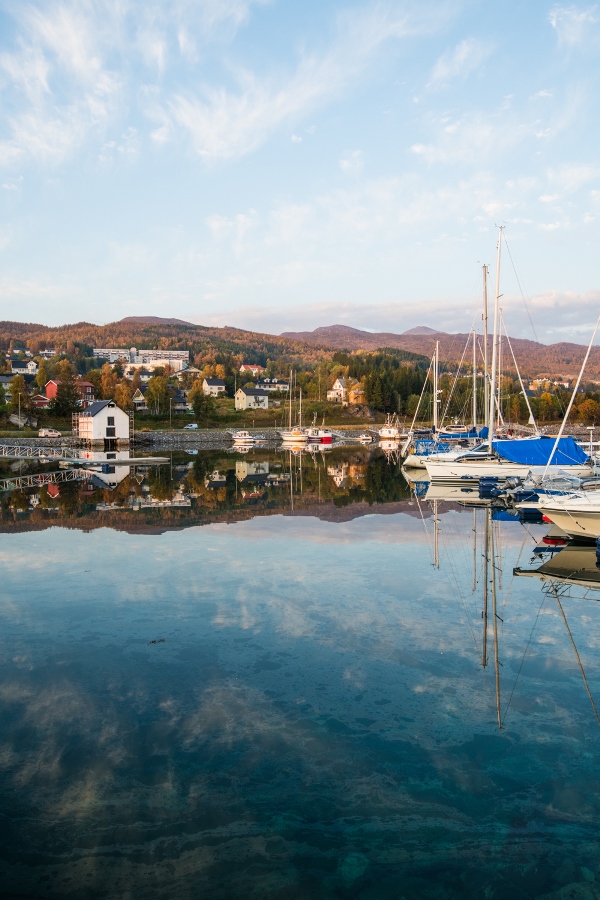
(313, 721)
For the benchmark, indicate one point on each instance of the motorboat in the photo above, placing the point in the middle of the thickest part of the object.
(294, 435)
(577, 513)
(316, 435)
(365, 438)
(244, 438)
(391, 430)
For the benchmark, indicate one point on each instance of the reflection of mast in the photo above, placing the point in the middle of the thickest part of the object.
(436, 535)
(291, 483)
(474, 588)
(486, 575)
(495, 623)
(562, 612)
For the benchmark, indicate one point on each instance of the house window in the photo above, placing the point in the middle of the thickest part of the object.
(110, 432)
(110, 420)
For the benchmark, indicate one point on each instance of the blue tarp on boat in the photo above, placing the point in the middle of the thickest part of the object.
(463, 435)
(537, 451)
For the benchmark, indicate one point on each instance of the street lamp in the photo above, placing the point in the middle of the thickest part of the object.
(170, 406)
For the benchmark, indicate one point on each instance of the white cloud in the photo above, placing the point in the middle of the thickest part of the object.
(352, 163)
(573, 24)
(460, 62)
(296, 139)
(222, 124)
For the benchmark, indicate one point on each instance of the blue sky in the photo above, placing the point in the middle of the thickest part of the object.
(281, 165)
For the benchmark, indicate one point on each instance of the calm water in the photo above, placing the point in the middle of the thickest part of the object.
(222, 696)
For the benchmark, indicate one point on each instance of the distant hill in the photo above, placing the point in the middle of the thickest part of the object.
(422, 329)
(152, 320)
(534, 359)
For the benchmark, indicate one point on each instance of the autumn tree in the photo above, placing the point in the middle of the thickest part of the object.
(589, 411)
(67, 395)
(18, 387)
(157, 394)
(108, 382)
(42, 378)
(124, 395)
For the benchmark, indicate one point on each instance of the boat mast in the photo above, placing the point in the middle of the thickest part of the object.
(474, 381)
(300, 416)
(492, 413)
(291, 396)
(486, 411)
(435, 387)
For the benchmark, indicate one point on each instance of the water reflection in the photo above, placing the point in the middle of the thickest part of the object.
(208, 485)
(304, 705)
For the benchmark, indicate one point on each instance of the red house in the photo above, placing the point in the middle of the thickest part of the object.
(84, 388)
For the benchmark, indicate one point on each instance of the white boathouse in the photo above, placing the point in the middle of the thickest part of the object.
(102, 423)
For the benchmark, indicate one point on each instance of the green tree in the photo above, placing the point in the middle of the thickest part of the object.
(202, 404)
(67, 395)
(2, 395)
(42, 379)
(18, 389)
(157, 394)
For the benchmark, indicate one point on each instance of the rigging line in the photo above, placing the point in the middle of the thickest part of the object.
(469, 622)
(525, 654)
(531, 416)
(589, 693)
(454, 382)
(458, 587)
(521, 289)
(427, 535)
(510, 586)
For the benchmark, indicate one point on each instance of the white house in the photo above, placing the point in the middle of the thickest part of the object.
(249, 369)
(272, 384)
(251, 398)
(339, 391)
(23, 367)
(103, 421)
(213, 386)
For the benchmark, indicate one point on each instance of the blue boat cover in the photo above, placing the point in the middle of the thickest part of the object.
(463, 435)
(537, 451)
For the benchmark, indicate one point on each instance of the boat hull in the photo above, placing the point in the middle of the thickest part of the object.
(473, 470)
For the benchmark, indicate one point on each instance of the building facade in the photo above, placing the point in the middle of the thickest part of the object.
(102, 423)
(272, 384)
(251, 398)
(213, 386)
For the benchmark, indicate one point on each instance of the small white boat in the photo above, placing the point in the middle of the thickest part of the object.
(294, 436)
(244, 438)
(391, 430)
(365, 438)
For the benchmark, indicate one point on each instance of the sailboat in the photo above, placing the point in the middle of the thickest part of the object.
(295, 434)
(507, 458)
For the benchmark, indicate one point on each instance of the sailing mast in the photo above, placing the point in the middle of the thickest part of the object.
(492, 411)
(435, 387)
(474, 381)
(486, 410)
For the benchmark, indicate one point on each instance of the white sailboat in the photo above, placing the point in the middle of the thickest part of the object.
(295, 434)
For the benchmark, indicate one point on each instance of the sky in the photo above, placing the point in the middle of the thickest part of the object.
(277, 165)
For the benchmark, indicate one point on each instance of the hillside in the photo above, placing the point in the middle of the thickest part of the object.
(150, 332)
(533, 358)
